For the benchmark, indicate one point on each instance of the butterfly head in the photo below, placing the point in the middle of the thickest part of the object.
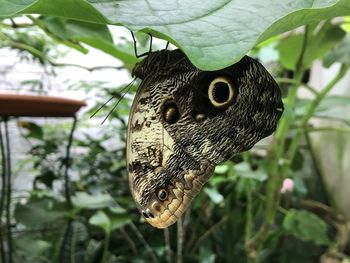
(154, 62)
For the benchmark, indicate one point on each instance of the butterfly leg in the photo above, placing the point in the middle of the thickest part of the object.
(135, 48)
(167, 45)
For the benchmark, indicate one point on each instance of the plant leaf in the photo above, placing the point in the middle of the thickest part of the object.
(30, 246)
(306, 226)
(39, 211)
(95, 35)
(34, 131)
(119, 220)
(214, 195)
(245, 171)
(330, 107)
(100, 219)
(86, 201)
(213, 34)
(318, 44)
(341, 53)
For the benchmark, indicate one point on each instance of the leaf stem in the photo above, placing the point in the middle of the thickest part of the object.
(180, 239)
(106, 246)
(167, 245)
(275, 176)
(293, 81)
(144, 242)
(329, 129)
(249, 213)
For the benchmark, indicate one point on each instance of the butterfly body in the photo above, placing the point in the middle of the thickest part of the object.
(185, 121)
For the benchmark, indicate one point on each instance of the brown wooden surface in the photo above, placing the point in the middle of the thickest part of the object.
(38, 106)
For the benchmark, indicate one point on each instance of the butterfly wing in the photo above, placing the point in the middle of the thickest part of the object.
(184, 121)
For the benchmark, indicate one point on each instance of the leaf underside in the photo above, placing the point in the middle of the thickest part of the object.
(213, 34)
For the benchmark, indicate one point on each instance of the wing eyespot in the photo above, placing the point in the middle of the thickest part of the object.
(221, 92)
(162, 194)
(170, 112)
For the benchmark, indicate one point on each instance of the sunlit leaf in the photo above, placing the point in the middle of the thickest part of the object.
(214, 195)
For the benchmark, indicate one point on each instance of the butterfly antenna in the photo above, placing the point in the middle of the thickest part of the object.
(126, 88)
(104, 104)
(167, 45)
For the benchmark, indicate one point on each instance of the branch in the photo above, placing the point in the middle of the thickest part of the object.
(180, 239)
(53, 63)
(327, 129)
(167, 245)
(144, 242)
(209, 232)
(294, 82)
(130, 241)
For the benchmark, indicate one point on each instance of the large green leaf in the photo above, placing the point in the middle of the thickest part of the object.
(213, 34)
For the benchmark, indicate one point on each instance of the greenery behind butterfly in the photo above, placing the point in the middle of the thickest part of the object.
(238, 217)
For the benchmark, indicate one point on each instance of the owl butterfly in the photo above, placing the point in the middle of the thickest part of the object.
(185, 121)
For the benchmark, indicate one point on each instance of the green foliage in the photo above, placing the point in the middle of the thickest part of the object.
(40, 211)
(341, 53)
(218, 41)
(109, 222)
(320, 41)
(84, 200)
(94, 35)
(331, 107)
(32, 249)
(306, 226)
(72, 247)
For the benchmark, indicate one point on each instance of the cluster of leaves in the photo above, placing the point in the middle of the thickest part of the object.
(101, 223)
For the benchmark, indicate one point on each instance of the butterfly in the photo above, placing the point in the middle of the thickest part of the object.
(184, 121)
